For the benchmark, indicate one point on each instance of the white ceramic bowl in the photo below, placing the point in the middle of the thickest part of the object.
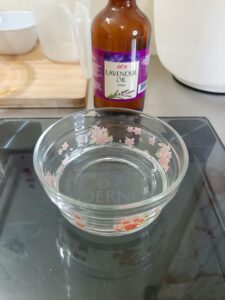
(17, 32)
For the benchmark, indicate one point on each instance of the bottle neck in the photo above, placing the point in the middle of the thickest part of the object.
(123, 3)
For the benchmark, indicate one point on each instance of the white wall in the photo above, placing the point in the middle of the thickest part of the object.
(145, 5)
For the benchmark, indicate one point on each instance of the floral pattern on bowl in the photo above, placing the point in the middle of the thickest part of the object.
(101, 136)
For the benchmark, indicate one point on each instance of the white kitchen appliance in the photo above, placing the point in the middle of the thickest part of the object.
(190, 40)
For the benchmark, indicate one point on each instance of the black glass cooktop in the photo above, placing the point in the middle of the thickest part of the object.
(181, 256)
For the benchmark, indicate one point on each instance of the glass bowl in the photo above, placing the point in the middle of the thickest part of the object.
(110, 171)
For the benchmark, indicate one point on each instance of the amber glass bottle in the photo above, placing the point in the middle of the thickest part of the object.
(121, 51)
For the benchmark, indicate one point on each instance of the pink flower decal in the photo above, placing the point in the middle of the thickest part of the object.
(164, 156)
(65, 146)
(152, 141)
(130, 129)
(79, 222)
(51, 180)
(60, 152)
(129, 224)
(100, 136)
(66, 160)
(129, 142)
(135, 130)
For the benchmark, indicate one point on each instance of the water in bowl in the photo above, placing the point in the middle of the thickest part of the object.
(111, 175)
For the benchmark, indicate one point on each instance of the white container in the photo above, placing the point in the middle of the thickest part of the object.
(190, 40)
(55, 30)
(17, 32)
(82, 33)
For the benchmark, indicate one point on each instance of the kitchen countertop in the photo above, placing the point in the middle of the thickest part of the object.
(165, 97)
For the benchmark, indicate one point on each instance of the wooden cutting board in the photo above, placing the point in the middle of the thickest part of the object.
(33, 81)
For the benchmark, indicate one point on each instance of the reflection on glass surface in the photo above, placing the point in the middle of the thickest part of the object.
(110, 258)
(19, 134)
(2, 171)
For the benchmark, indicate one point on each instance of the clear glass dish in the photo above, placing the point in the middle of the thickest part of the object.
(110, 171)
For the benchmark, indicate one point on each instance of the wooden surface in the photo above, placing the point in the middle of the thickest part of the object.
(33, 81)
(165, 97)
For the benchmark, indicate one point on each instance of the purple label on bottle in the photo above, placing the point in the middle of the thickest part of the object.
(120, 76)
